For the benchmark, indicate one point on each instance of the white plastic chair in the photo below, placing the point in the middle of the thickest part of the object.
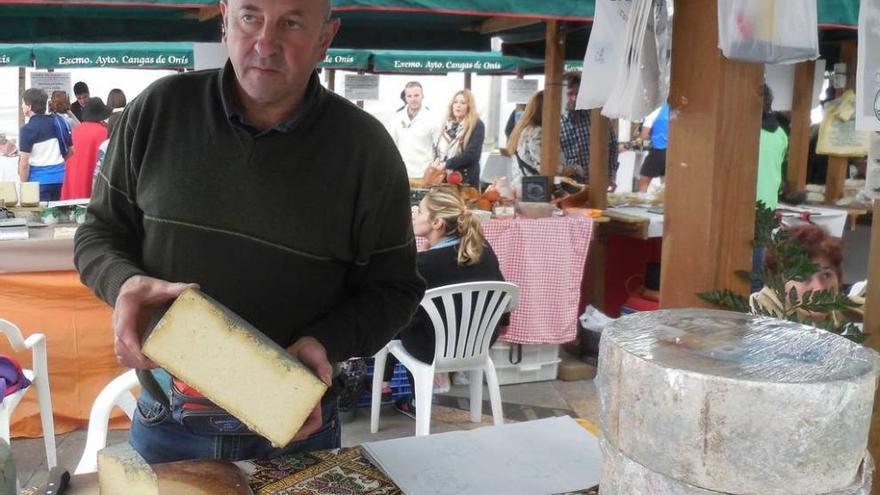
(465, 349)
(116, 393)
(39, 377)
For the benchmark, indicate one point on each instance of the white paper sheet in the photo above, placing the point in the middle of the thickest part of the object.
(547, 456)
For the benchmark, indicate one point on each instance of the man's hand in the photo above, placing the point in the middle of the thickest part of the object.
(312, 354)
(138, 299)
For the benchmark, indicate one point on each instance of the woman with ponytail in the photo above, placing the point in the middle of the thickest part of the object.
(456, 252)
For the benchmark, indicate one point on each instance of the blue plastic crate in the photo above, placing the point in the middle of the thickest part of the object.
(399, 385)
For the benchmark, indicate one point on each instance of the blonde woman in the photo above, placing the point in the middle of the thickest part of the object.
(460, 142)
(525, 140)
(456, 252)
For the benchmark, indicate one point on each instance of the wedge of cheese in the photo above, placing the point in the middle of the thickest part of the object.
(122, 470)
(30, 194)
(8, 194)
(235, 366)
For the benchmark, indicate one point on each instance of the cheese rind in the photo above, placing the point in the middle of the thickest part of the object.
(235, 366)
(623, 476)
(747, 404)
(201, 477)
(122, 470)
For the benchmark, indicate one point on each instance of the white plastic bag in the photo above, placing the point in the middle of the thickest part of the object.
(642, 81)
(594, 320)
(603, 52)
(768, 31)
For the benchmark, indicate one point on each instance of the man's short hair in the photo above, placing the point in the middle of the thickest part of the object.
(572, 78)
(328, 9)
(80, 88)
(36, 99)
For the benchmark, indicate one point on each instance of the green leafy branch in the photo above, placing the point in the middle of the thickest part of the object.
(793, 264)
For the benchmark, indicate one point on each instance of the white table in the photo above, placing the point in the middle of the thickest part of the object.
(832, 219)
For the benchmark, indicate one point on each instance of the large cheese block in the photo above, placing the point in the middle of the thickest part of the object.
(8, 194)
(736, 403)
(30, 194)
(623, 476)
(122, 470)
(235, 366)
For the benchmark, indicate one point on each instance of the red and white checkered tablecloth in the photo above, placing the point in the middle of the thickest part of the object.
(545, 258)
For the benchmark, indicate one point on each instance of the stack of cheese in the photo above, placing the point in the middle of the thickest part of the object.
(705, 402)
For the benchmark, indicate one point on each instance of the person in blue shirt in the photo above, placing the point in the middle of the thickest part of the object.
(41, 157)
(655, 128)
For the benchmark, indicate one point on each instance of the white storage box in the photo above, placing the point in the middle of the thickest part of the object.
(539, 362)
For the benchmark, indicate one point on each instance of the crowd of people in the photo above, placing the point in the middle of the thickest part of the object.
(62, 144)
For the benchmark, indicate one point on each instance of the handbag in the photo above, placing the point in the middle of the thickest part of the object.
(433, 176)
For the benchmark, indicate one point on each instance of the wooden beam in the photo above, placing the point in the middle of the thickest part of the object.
(799, 141)
(498, 24)
(468, 80)
(554, 57)
(835, 179)
(712, 162)
(598, 160)
(872, 326)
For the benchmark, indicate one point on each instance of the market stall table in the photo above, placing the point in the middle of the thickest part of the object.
(40, 292)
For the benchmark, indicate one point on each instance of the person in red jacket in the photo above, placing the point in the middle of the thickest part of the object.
(87, 137)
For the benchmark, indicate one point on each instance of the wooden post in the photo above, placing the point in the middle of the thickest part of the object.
(838, 165)
(21, 88)
(799, 141)
(554, 57)
(712, 162)
(872, 326)
(598, 160)
(467, 80)
(331, 79)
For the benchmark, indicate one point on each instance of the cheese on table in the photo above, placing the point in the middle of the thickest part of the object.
(736, 403)
(122, 470)
(235, 366)
(623, 476)
(30, 194)
(8, 194)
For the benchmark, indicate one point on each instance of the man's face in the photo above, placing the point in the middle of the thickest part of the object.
(82, 98)
(413, 97)
(274, 45)
(571, 95)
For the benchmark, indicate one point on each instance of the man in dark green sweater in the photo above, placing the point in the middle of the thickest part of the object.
(278, 198)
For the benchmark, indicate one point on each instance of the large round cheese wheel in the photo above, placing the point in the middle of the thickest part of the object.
(623, 476)
(736, 403)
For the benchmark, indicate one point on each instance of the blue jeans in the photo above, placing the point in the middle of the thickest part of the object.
(159, 438)
(50, 192)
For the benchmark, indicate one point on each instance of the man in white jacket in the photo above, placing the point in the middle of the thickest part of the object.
(414, 130)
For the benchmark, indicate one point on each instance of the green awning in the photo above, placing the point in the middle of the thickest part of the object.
(340, 58)
(15, 55)
(118, 55)
(441, 62)
(573, 66)
(572, 10)
(838, 13)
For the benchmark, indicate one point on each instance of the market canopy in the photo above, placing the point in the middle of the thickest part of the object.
(340, 58)
(15, 55)
(426, 61)
(118, 55)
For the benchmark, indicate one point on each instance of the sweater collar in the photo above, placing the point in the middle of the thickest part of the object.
(314, 92)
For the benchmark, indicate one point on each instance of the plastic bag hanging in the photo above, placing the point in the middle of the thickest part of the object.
(768, 31)
(639, 88)
(607, 38)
